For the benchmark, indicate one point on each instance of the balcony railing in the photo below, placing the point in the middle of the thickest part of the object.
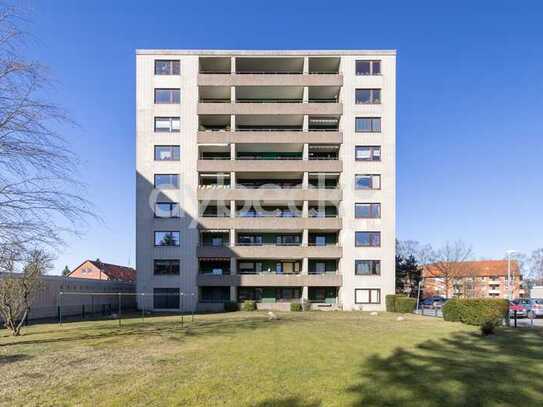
(272, 128)
(270, 185)
(269, 214)
(268, 244)
(269, 100)
(215, 100)
(254, 272)
(269, 157)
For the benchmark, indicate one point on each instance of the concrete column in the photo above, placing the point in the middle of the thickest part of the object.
(232, 122)
(305, 293)
(233, 294)
(305, 180)
(232, 177)
(306, 64)
(305, 153)
(232, 237)
(305, 266)
(306, 123)
(232, 209)
(233, 266)
(232, 94)
(232, 151)
(305, 210)
(305, 237)
(233, 65)
(306, 94)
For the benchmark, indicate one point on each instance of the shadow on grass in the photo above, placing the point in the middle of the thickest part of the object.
(288, 402)
(462, 370)
(170, 329)
(5, 359)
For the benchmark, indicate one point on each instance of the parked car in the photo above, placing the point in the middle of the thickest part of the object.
(519, 307)
(435, 301)
(532, 305)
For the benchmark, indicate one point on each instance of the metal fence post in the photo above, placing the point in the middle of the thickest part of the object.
(181, 295)
(119, 301)
(59, 301)
(193, 306)
(142, 307)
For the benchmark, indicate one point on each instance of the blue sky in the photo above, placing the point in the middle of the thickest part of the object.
(469, 126)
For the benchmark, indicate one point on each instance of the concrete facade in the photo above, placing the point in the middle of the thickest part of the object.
(261, 117)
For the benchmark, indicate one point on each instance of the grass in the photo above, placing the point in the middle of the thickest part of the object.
(242, 359)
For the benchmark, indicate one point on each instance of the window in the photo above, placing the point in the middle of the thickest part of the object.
(166, 67)
(320, 240)
(367, 296)
(167, 124)
(167, 153)
(367, 267)
(368, 96)
(166, 181)
(367, 181)
(167, 96)
(166, 210)
(320, 268)
(367, 239)
(368, 67)
(367, 153)
(166, 267)
(166, 238)
(166, 298)
(367, 210)
(367, 125)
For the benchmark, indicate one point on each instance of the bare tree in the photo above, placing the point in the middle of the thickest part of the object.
(39, 197)
(448, 263)
(536, 266)
(18, 288)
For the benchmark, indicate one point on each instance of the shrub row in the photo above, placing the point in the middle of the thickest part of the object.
(400, 303)
(296, 307)
(476, 311)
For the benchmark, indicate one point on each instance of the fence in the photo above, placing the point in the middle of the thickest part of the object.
(87, 305)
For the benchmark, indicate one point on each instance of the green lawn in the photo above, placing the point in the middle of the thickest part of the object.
(242, 359)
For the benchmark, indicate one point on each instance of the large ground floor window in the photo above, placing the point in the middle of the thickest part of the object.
(270, 294)
(367, 296)
(166, 298)
(323, 294)
(214, 294)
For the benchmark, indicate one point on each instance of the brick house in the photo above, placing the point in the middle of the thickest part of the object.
(474, 279)
(97, 270)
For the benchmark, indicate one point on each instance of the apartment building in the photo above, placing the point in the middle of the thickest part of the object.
(265, 175)
(474, 279)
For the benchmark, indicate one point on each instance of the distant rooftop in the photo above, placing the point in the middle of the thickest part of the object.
(241, 52)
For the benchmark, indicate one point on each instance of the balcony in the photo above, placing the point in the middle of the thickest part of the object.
(264, 107)
(270, 165)
(271, 280)
(270, 223)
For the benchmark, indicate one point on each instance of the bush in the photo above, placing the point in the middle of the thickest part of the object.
(452, 311)
(405, 305)
(231, 306)
(248, 305)
(390, 301)
(487, 313)
(400, 303)
(296, 307)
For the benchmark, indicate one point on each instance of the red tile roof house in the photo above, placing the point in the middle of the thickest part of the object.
(475, 279)
(97, 270)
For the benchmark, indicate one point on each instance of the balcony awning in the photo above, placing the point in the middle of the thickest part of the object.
(324, 121)
(323, 147)
(211, 259)
(215, 230)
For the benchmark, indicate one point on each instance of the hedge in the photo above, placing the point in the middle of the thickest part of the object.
(390, 301)
(405, 305)
(295, 307)
(400, 303)
(248, 305)
(484, 312)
